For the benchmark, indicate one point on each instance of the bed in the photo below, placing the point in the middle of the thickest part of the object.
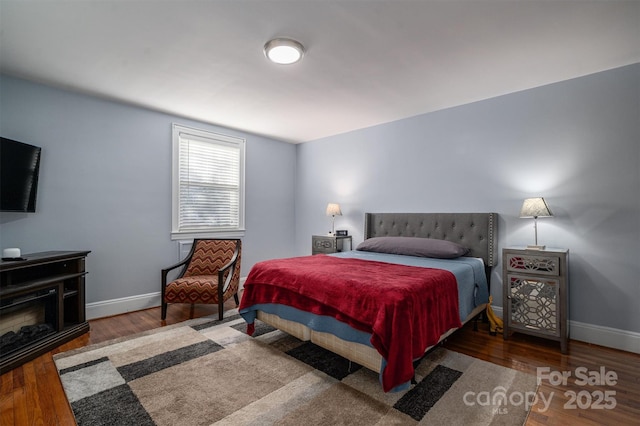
(382, 306)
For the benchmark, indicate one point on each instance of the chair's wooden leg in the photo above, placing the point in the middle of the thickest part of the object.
(192, 310)
(163, 311)
(235, 297)
(220, 310)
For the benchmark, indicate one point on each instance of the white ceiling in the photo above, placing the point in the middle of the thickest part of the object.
(367, 62)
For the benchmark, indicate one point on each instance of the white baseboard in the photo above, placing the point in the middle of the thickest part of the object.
(123, 305)
(605, 336)
(598, 335)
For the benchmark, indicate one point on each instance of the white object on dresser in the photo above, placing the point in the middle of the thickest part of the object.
(11, 253)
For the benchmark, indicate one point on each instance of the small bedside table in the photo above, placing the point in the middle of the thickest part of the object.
(535, 287)
(329, 243)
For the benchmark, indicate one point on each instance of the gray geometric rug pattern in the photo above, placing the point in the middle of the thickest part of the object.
(209, 372)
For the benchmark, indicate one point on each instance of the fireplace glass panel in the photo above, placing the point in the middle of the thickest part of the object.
(26, 319)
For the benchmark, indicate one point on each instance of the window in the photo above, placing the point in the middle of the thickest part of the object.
(208, 184)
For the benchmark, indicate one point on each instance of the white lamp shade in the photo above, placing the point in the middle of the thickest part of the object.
(535, 207)
(333, 209)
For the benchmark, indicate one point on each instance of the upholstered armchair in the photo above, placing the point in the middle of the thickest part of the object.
(210, 274)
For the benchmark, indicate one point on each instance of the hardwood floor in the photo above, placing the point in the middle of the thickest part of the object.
(528, 353)
(32, 394)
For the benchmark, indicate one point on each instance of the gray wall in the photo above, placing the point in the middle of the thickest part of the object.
(577, 143)
(105, 186)
(105, 182)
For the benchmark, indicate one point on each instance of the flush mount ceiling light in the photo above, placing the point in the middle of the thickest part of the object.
(283, 51)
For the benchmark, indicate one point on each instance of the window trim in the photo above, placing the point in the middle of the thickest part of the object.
(176, 233)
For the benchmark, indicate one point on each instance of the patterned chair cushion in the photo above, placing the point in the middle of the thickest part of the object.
(200, 281)
(195, 289)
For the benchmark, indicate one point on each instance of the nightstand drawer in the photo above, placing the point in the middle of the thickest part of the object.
(324, 244)
(533, 264)
(329, 243)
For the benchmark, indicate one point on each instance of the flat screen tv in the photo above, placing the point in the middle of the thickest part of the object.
(19, 169)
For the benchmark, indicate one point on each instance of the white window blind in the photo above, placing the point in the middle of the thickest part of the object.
(208, 183)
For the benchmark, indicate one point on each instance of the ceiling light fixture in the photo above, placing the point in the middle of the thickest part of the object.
(283, 51)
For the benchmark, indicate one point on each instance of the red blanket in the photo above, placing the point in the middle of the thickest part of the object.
(405, 308)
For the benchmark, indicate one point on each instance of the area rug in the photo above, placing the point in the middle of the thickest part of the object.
(209, 372)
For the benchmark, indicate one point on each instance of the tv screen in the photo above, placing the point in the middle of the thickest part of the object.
(19, 169)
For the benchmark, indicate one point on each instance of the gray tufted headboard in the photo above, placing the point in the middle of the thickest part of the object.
(476, 231)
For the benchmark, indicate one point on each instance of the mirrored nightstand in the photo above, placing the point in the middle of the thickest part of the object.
(536, 293)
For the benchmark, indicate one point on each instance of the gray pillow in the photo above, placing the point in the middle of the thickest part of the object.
(414, 246)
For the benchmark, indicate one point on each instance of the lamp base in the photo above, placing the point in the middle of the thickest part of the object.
(535, 247)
